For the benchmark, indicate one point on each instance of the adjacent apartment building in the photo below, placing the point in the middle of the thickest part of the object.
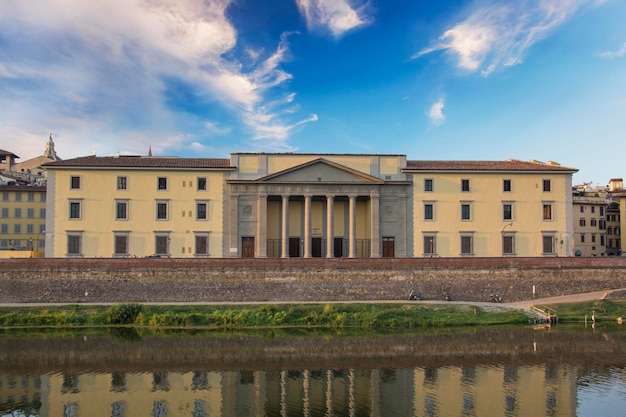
(23, 218)
(307, 205)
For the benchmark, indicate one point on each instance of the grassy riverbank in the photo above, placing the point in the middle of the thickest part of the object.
(251, 316)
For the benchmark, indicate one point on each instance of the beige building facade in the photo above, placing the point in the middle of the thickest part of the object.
(308, 205)
(590, 229)
(22, 220)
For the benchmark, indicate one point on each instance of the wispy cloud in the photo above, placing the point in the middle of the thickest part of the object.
(496, 36)
(338, 16)
(614, 54)
(85, 66)
(435, 113)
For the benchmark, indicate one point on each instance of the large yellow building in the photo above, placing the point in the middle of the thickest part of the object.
(22, 220)
(307, 205)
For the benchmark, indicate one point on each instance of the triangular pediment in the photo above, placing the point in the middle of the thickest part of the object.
(321, 171)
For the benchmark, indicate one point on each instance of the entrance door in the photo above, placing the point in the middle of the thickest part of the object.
(247, 246)
(338, 247)
(316, 247)
(388, 247)
(294, 247)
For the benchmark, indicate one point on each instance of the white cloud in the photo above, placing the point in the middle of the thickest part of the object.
(435, 113)
(113, 62)
(493, 37)
(614, 54)
(338, 16)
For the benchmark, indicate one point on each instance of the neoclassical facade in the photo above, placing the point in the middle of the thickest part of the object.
(307, 205)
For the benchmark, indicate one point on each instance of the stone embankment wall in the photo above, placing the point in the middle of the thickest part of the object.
(284, 280)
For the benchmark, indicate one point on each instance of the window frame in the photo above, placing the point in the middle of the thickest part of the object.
(198, 236)
(508, 236)
(201, 184)
(166, 204)
(70, 236)
(551, 236)
(157, 237)
(465, 237)
(162, 183)
(75, 182)
(429, 185)
(508, 204)
(429, 244)
(429, 209)
(125, 204)
(547, 185)
(465, 204)
(548, 215)
(507, 185)
(465, 185)
(73, 215)
(121, 183)
(117, 236)
(206, 210)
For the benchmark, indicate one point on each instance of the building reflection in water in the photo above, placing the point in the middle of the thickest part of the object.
(474, 390)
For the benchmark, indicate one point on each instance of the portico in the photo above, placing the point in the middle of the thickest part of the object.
(317, 209)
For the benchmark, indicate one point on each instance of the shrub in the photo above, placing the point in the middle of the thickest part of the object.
(123, 313)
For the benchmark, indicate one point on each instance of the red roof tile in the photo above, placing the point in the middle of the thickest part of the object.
(509, 165)
(141, 162)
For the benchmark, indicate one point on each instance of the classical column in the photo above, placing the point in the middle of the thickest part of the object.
(352, 227)
(402, 226)
(285, 228)
(233, 232)
(330, 229)
(375, 225)
(262, 225)
(307, 226)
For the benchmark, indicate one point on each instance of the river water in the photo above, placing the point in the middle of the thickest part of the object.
(523, 372)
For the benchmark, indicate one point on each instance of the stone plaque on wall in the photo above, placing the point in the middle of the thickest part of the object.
(390, 212)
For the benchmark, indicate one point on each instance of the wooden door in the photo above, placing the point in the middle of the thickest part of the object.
(316, 247)
(247, 247)
(294, 247)
(388, 247)
(338, 247)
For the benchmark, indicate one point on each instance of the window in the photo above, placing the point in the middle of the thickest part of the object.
(30, 229)
(122, 183)
(18, 196)
(430, 245)
(582, 222)
(74, 244)
(508, 244)
(5, 212)
(161, 210)
(582, 238)
(30, 213)
(75, 210)
(601, 211)
(4, 228)
(162, 244)
(428, 211)
(467, 244)
(17, 228)
(594, 222)
(547, 211)
(465, 211)
(602, 240)
(465, 185)
(548, 244)
(428, 185)
(602, 225)
(31, 196)
(593, 209)
(42, 213)
(546, 185)
(162, 183)
(5, 196)
(609, 231)
(42, 197)
(593, 238)
(201, 183)
(18, 213)
(201, 211)
(202, 244)
(506, 186)
(42, 228)
(121, 244)
(121, 210)
(75, 183)
(507, 211)
(582, 209)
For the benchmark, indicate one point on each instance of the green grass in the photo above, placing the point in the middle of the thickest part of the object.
(603, 310)
(253, 316)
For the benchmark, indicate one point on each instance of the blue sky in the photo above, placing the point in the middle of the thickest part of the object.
(482, 79)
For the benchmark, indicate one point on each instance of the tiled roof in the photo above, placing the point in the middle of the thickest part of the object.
(508, 165)
(3, 152)
(33, 188)
(140, 162)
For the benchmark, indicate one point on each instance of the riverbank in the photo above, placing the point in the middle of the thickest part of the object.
(599, 306)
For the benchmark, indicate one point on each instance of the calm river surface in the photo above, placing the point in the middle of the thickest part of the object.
(523, 372)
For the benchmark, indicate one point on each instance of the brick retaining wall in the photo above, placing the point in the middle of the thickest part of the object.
(296, 279)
